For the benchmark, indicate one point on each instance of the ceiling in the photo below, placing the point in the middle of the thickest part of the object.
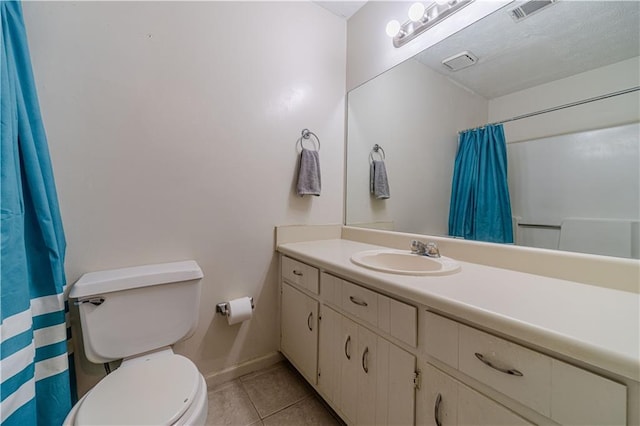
(564, 39)
(343, 9)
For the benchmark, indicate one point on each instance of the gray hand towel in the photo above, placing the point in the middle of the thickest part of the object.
(378, 182)
(309, 173)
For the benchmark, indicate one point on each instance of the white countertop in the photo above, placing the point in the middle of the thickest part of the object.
(594, 325)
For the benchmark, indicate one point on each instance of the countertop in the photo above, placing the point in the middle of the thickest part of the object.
(590, 324)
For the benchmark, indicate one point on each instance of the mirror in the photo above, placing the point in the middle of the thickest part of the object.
(573, 171)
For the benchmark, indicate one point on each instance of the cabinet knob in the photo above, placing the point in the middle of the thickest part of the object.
(298, 273)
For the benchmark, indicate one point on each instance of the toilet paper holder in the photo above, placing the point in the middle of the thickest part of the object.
(223, 308)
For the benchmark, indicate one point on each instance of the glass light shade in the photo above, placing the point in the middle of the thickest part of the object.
(393, 28)
(416, 11)
(441, 2)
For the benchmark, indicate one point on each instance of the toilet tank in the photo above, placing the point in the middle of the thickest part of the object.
(130, 311)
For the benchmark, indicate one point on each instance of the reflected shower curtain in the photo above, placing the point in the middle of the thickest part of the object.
(480, 207)
(35, 387)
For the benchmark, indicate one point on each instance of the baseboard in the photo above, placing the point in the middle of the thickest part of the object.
(241, 369)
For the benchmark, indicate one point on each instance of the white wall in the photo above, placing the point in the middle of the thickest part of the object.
(414, 113)
(370, 51)
(172, 128)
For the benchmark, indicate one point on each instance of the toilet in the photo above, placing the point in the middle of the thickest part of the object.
(136, 314)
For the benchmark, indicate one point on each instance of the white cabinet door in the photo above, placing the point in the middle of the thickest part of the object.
(366, 383)
(437, 399)
(443, 401)
(329, 354)
(299, 328)
(401, 400)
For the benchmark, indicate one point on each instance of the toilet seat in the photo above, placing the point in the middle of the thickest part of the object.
(144, 391)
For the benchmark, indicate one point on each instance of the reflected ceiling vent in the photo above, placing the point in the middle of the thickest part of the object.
(461, 60)
(529, 8)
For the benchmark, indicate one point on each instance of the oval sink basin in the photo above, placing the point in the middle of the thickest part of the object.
(403, 262)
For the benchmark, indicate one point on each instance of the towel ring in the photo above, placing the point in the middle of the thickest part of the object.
(378, 150)
(306, 135)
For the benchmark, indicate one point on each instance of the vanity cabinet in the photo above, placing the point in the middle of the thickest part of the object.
(559, 391)
(339, 336)
(376, 362)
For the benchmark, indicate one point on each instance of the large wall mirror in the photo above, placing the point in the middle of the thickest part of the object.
(572, 69)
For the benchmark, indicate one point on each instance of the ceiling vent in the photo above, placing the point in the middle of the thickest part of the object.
(460, 61)
(529, 8)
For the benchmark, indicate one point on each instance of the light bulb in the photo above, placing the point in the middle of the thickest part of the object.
(393, 28)
(416, 11)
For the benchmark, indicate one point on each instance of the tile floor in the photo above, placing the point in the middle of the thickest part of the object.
(277, 395)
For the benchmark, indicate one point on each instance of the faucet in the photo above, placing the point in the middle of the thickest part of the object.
(425, 249)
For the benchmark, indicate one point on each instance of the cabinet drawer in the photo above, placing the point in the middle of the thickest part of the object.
(360, 302)
(298, 273)
(518, 372)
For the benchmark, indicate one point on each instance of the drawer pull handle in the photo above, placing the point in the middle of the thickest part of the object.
(510, 371)
(365, 360)
(298, 273)
(347, 346)
(357, 301)
(309, 321)
(436, 410)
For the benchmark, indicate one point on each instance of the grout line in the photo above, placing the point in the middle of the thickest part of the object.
(250, 400)
(284, 408)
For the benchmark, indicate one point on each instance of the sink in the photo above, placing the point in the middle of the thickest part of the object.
(403, 262)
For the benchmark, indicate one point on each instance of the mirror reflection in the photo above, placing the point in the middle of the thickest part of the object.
(563, 82)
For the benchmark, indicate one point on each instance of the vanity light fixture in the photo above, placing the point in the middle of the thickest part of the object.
(421, 19)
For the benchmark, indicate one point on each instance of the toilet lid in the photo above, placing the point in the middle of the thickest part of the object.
(148, 391)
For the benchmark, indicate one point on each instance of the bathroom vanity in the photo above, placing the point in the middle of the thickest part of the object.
(480, 345)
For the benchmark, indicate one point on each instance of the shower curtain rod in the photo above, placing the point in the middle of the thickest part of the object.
(556, 108)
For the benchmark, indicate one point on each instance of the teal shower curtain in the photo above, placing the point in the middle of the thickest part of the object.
(35, 387)
(480, 207)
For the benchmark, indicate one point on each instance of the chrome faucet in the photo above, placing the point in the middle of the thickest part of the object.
(425, 249)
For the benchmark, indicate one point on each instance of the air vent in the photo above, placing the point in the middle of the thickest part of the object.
(460, 61)
(529, 8)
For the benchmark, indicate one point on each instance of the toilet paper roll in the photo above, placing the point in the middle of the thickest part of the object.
(239, 310)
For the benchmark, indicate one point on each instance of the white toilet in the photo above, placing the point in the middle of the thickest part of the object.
(136, 314)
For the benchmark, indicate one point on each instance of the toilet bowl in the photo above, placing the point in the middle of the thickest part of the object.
(137, 314)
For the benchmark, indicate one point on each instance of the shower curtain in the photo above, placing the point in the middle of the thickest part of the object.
(480, 208)
(35, 388)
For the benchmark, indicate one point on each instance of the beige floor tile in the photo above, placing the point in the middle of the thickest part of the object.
(309, 411)
(229, 404)
(273, 389)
